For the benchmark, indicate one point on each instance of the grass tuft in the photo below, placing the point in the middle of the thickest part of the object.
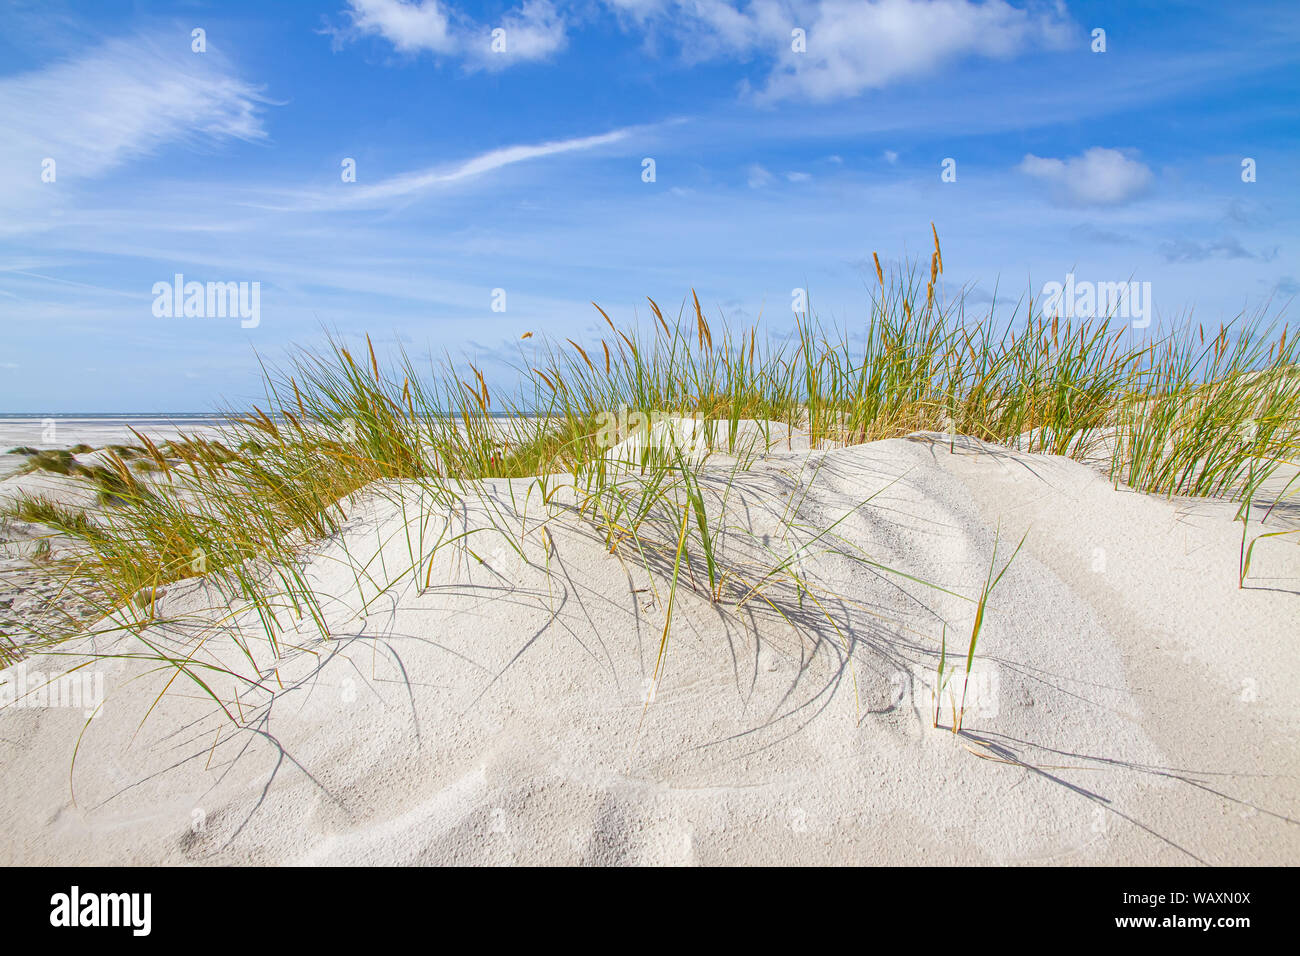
(1172, 413)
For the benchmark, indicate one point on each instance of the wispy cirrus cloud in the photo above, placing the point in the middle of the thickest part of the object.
(407, 186)
(410, 183)
(126, 98)
(535, 30)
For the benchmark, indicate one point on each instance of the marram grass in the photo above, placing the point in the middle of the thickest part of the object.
(1177, 412)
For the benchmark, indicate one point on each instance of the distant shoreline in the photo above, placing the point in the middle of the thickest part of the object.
(142, 418)
(115, 416)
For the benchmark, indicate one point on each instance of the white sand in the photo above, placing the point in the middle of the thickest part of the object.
(56, 432)
(1146, 708)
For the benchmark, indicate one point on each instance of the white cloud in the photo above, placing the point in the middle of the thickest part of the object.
(798, 177)
(852, 45)
(1098, 177)
(533, 31)
(409, 27)
(122, 100)
(855, 46)
(756, 176)
(639, 10)
(406, 185)
(891, 157)
(495, 159)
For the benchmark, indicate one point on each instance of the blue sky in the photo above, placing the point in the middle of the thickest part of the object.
(522, 170)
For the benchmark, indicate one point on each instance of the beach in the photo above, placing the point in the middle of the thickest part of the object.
(499, 704)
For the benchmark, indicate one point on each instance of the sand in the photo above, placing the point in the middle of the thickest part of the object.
(28, 601)
(1133, 705)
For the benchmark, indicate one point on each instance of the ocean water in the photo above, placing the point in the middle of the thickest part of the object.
(138, 419)
(97, 429)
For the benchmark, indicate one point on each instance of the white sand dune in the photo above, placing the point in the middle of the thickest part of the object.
(1145, 708)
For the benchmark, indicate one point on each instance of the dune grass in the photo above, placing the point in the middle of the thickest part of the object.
(1175, 414)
